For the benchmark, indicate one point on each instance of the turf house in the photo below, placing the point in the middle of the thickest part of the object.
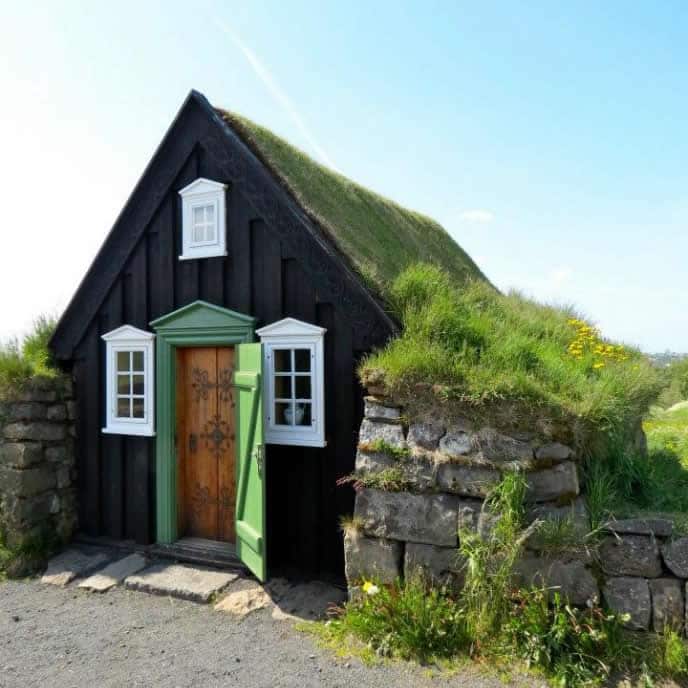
(214, 343)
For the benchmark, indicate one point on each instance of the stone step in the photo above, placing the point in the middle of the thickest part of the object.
(74, 562)
(198, 584)
(113, 574)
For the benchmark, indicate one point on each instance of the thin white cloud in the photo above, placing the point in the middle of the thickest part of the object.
(560, 275)
(477, 216)
(264, 74)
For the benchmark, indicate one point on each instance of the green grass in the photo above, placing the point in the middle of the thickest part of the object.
(487, 350)
(20, 361)
(379, 237)
(388, 479)
(629, 483)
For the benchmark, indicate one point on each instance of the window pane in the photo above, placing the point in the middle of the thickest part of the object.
(138, 361)
(197, 234)
(123, 384)
(283, 414)
(303, 360)
(282, 360)
(123, 361)
(210, 232)
(303, 386)
(123, 408)
(303, 414)
(199, 215)
(138, 384)
(138, 408)
(283, 388)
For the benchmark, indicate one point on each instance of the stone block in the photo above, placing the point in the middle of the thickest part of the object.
(659, 527)
(389, 433)
(64, 478)
(456, 443)
(21, 454)
(468, 481)
(469, 514)
(371, 558)
(26, 482)
(438, 565)
(630, 596)
(497, 448)
(420, 473)
(30, 511)
(377, 411)
(431, 519)
(667, 604)
(71, 410)
(425, 435)
(39, 431)
(575, 511)
(373, 462)
(36, 393)
(57, 412)
(65, 567)
(675, 556)
(630, 555)
(56, 454)
(570, 578)
(552, 484)
(554, 451)
(194, 583)
(27, 410)
(113, 574)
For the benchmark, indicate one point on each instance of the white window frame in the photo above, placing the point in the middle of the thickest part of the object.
(203, 192)
(290, 333)
(129, 338)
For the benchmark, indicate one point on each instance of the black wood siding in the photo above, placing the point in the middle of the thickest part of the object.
(261, 276)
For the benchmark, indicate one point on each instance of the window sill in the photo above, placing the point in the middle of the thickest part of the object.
(209, 254)
(285, 439)
(138, 431)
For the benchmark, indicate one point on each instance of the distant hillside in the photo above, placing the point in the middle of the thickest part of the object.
(666, 358)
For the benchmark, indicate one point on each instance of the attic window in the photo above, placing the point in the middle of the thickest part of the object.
(204, 233)
(129, 382)
(293, 375)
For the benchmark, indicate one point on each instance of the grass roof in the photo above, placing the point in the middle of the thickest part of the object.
(379, 237)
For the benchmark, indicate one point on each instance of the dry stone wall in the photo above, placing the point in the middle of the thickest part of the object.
(446, 469)
(37, 466)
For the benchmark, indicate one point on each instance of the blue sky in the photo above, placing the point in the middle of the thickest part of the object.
(548, 138)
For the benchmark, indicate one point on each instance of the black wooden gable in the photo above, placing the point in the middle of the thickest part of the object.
(198, 132)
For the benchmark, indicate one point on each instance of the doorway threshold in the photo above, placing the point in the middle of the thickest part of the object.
(200, 551)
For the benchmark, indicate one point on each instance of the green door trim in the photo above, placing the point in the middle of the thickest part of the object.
(198, 324)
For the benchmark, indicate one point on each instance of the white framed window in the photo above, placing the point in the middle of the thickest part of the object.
(204, 234)
(129, 383)
(293, 383)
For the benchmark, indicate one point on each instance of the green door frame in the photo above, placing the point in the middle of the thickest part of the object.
(198, 324)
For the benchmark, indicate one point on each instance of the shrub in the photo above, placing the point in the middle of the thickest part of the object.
(20, 361)
(483, 347)
(572, 646)
(408, 621)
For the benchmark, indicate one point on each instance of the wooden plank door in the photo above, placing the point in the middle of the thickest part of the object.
(206, 464)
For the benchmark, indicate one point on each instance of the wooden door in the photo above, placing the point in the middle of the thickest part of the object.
(206, 476)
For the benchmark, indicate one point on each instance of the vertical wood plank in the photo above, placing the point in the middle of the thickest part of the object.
(89, 426)
(112, 474)
(226, 473)
(162, 259)
(186, 271)
(238, 273)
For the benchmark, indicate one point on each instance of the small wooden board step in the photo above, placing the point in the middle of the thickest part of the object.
(200, 551)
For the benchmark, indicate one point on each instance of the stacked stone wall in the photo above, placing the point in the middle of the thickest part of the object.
(37, 466)
(636, 567)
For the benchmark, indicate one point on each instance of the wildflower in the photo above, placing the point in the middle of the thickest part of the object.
(598, 365)
(370, 588)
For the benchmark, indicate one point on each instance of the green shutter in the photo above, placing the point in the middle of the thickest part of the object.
(250, 503)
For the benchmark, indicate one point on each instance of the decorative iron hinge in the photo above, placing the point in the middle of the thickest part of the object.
(258, 454)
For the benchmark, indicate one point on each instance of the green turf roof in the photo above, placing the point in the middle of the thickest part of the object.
(378, 236)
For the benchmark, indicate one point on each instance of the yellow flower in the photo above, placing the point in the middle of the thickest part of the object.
(370, 588)
(598, 365)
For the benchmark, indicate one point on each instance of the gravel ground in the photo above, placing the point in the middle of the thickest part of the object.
(68, 637)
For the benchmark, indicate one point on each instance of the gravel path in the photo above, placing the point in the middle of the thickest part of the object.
(68, 637)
